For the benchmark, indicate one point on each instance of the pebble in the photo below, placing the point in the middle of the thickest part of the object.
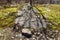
(26, 31)
(19, 35)
(12, 37)
(1, 34)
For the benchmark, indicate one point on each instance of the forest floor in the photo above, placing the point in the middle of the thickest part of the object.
(52, 12)
(7, 34)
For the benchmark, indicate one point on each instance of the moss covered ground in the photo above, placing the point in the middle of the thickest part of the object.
(52, 13)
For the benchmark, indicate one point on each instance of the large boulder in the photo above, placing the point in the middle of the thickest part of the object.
(27, 17)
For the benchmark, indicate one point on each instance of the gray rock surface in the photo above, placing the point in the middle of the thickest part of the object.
(29, 18)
